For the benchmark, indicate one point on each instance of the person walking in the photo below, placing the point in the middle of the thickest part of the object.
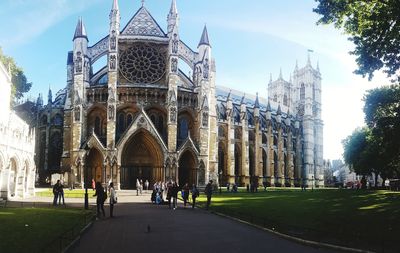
(137, 187)
(113, 199)
(185, 194)
(101, 197)
(175, 190)
(146, 184)
(208, 192)
(60, 193)
(141, 186)
(195, 194)
(55, 192)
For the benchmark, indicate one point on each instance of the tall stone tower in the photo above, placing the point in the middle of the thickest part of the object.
(307, 82)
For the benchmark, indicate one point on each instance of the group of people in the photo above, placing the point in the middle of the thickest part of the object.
(139, 186)
(171, 190)
(101, 197)
(58, 192)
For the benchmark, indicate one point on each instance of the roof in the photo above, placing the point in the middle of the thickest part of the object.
(204, 38)
(143, 24)
(80, 30)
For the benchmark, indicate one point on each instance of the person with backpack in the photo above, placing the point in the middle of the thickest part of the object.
(101, 198)
(208, 192)
(195, 194)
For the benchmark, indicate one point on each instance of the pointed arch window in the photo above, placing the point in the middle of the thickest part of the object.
(302, 91)
(129, 119)
(183, 128)
(275, 98)
(97, 126)
(285, 100)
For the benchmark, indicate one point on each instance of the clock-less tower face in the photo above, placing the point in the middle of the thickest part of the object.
(142, 63)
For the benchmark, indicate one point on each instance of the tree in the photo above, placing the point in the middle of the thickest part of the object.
(20, 84)
(382, 115)
(373, 27)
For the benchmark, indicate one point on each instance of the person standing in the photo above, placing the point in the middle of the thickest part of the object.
(137, 187)
(100, 199)
(146, 184)
(60, 193)
(208, 192)
(141, 186)
(185, 194)
(169, 193)
(195, 194)
(113, 199)
(55, 192)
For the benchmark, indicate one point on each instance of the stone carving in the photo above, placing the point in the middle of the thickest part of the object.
(172, 115)
(77, 98)
(113, 41)
(77, 113)
(111, 112)
(172, 98)
(187, 54)
(174, 65)
(78, 63)
(143, 24)
(205, 119)
(111, 96)
(175, 43)
(113, 62)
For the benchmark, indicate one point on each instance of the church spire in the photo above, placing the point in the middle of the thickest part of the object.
(280, 74)
(257, 103)
(173, 10)
(204, 38)
(115, 5)
(80, 30)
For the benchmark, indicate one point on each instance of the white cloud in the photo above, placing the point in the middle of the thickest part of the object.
(28, 19)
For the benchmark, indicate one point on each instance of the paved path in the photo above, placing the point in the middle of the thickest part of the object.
(181, 230)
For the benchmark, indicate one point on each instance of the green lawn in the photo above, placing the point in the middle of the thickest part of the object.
(76, 193)
(361, 219)
(39, 229)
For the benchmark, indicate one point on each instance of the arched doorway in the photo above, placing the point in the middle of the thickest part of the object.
(94, 166)
(13, 177)
(187, 169)
(142, 158)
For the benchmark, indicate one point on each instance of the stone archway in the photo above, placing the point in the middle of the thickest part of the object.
(187, 171)
(142, 158)
(94, 167)
(13, 177)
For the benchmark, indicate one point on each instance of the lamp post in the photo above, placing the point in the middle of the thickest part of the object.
(86, 178)
(220, 182)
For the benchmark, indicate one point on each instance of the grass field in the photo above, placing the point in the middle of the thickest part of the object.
(360, 219)
(39, 229)
(76, 193)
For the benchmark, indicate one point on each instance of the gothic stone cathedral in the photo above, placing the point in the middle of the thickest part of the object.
(142, 117)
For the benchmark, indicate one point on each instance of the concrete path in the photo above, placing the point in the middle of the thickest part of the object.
(180, 230)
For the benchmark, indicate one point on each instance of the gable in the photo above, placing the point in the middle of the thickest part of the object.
(143, 24)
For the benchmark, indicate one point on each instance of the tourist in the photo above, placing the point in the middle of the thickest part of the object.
(195, 194)
(141, 186)
(60, 193)
(185, 194)
(101, 197)
(137, 187)
(228, 187)
(55, 193)
(169, 193)
(208, 192)
(146, 184)
(93, 184)
(113, 199)
(175, 190)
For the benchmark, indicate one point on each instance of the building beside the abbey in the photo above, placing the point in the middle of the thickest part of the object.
(142, 117)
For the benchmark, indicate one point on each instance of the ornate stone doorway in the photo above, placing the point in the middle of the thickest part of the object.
(142, 158)
(94, 167)
(187, 169)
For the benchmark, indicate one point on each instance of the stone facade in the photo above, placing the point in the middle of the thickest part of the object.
(17, 143)
(142, 117)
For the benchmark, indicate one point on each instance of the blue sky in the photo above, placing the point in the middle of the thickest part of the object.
(250, 40)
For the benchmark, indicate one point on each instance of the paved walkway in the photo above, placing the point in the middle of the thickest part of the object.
(177, 231)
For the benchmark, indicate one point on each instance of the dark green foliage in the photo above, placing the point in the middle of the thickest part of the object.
(18, 78)
(373, 27)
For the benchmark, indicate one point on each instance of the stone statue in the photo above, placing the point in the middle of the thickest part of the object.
(206, 68)
(78, 63)
(111, 112)
(113, 60)
(174, 65)
(175, 44)
(113, 41)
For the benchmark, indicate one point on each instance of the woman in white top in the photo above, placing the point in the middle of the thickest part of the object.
(113, 199)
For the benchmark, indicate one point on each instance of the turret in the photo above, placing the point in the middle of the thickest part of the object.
(279, 114)
(173, 19)
(268, 113)
(50, 97)
(256, 107)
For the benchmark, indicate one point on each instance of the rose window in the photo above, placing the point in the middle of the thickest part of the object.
(142, 64)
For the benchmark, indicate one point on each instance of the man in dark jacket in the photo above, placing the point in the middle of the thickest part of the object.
(101, 197)
(208, 192)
